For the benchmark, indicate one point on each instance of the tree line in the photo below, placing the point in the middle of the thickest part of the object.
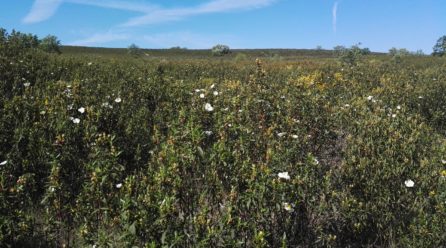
(18, 40)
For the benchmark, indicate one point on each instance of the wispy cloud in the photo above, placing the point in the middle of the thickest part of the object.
(335, 16)
(101, 39)
(120, 5)
(42, 10)
(215, 6)
(45, 9)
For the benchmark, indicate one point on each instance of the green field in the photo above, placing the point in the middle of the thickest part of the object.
(179, 148)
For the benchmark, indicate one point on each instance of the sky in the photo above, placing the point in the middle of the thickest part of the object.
(201, 24)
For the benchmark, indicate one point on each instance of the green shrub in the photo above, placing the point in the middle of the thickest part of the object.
(220, 50)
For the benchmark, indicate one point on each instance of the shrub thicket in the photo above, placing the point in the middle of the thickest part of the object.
(211, 153)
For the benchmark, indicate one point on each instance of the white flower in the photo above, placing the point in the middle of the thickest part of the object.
(70, 107)
(316, 161)
(282, 97)
(4, 162)
(118, 100)
(369, 98)
(215, 93)
(119, 185)
(347, 105)
(409, 183)
(225, 109)
(212, 86)
(294, 136)
(208, 107)
(27, 84)
(281, 134)
(420, 97)
(394, 115)
(42, 112)
(106, 104)
(208, 133)
(81, 110)
(288, 207)
(197, 90)
(201, 95)
(52, 189)
(90, 63)
(443, 161)
(284, 175)
(76, 120)
(398, 107)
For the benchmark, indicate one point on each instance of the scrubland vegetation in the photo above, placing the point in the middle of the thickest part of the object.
(129, 151)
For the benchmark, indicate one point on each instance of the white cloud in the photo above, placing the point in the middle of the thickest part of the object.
(100, 39)
(215, 6)
(45, 9)
(335, 16)
(42, 10)
(226, 5)
(128, 5)
(186, 39)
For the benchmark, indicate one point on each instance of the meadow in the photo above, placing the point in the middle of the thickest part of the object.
(178, 148)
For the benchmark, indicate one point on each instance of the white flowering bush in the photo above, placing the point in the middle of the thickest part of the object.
(220, 50)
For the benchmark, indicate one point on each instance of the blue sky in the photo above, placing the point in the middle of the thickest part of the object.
(377, 24)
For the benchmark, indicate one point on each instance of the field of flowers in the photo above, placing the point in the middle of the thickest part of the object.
(209, 153)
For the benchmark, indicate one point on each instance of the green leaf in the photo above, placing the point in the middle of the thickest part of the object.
(132, 228)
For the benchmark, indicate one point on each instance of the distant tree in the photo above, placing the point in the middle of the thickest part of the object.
(360, 51)
(404, 52)
(351, 55)
(319, 48)
(440, 47)
(3, 35)
(366, 51)
(220, 50)
(339, 50)
(50, 44)
(134, 50)
(22, 41)
(419, 53)
(393, 51)
(399, 52)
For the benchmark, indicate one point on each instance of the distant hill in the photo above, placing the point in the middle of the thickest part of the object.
(182, 53)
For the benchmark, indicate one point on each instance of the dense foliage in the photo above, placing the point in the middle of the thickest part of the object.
(50, 44)
(207, 153)
(220, 50)
(17, 42)
(440, 47)
(134, 50)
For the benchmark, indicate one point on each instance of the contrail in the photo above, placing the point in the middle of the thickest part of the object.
(335, 16)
